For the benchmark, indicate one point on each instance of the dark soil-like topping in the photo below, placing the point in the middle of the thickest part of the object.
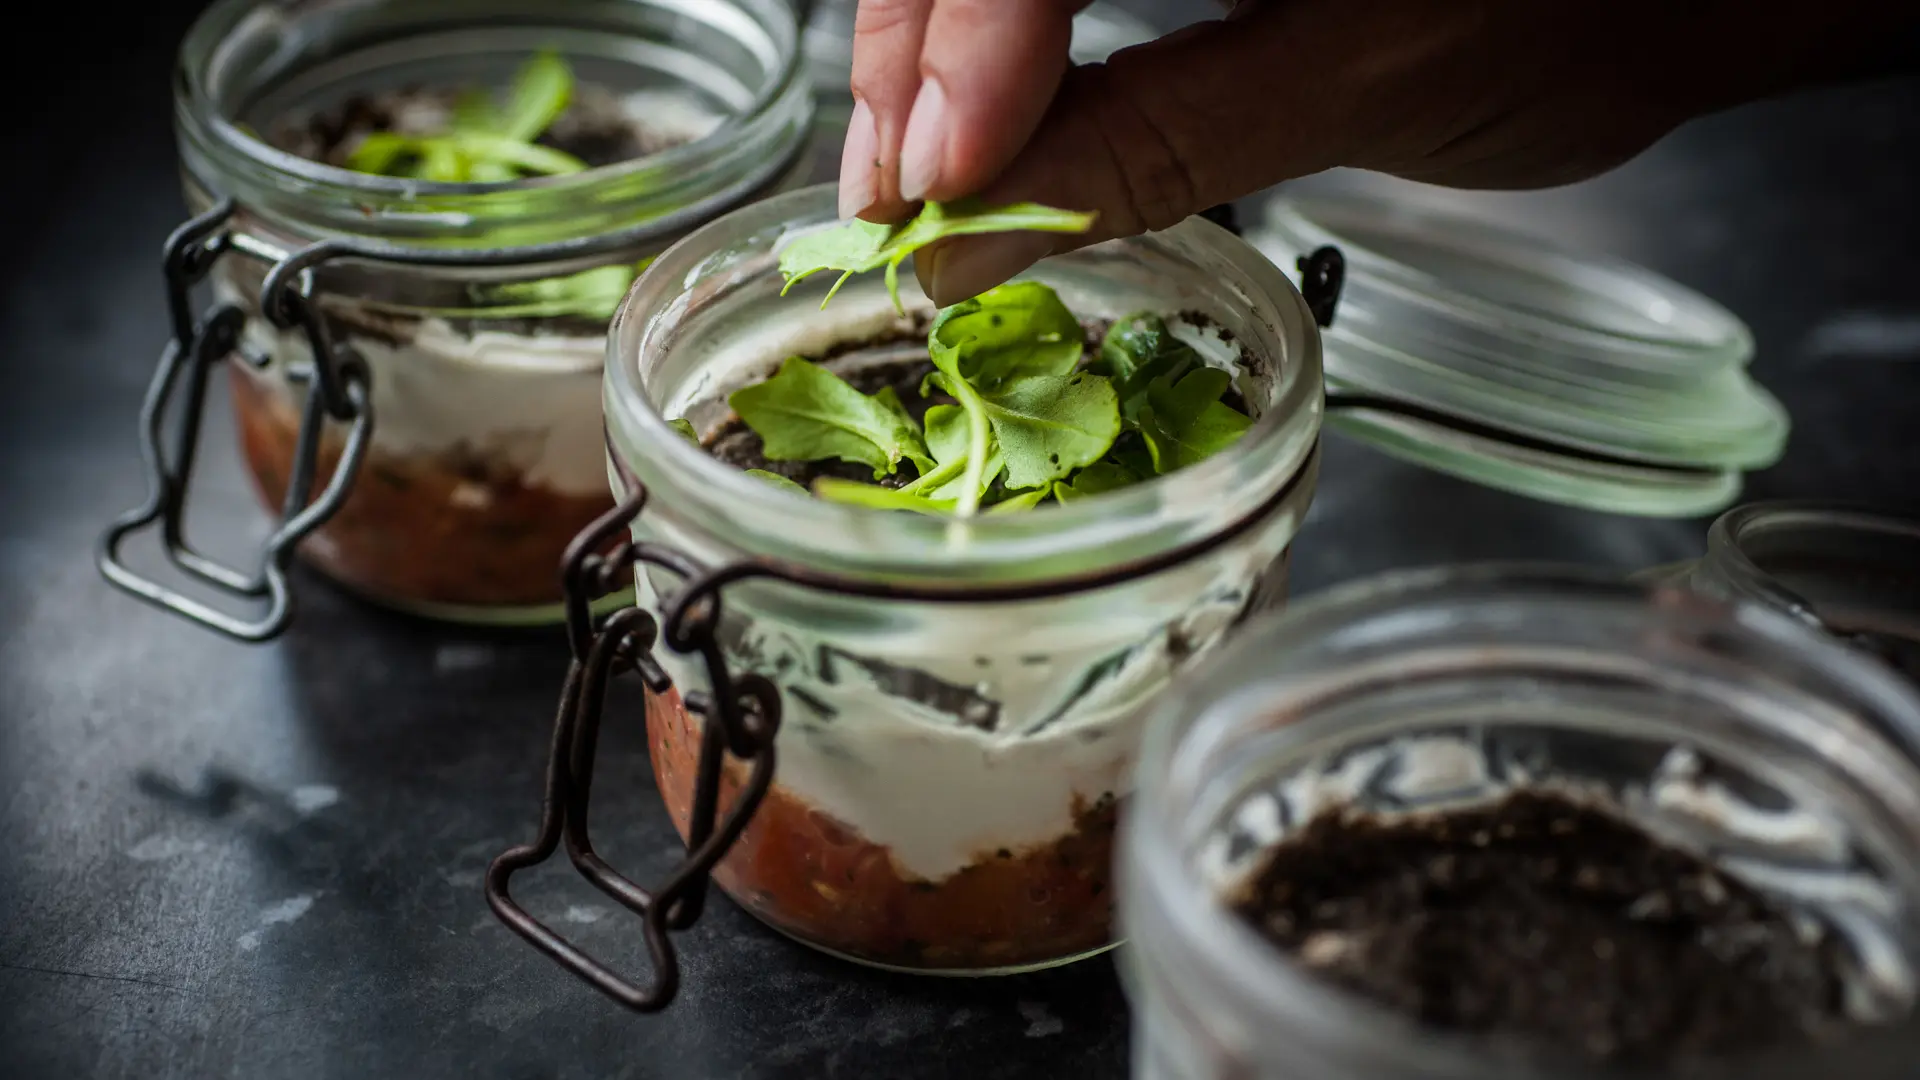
(1549, 921)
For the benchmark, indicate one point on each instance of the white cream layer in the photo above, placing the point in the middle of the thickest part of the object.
(939, 792)
(530, 403)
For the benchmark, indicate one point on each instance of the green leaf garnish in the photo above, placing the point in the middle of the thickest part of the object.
(685, 428)
(1026, 500)
(856, 246)
(528, 157)
(979, 430)
(1049, 425)
(541, 91)
(1130, 453)
(1029, 423)
(482, 143)
(834, 489)
(1014, 330)
(949, 440)
(776, 480)
(594, 293)
(807, 413)
(1044, 425)
(1185, 422)
(474, 111)
(1096, 479)
(1139, 349)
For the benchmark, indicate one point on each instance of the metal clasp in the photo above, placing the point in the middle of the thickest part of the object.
(1322, 275)
(339, 389)
(740, 716)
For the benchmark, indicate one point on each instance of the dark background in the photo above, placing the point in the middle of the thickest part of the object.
(218, 860)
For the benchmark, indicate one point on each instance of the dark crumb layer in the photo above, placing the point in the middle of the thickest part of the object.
(1543, 919)
(595, 128)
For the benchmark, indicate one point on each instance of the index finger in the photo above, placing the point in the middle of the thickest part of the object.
(989, 69)
(887, 38)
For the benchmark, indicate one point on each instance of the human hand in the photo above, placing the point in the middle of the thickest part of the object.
(976, 97)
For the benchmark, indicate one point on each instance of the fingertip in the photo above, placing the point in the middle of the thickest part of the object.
(967, 266)
(925, 262)
(859, 162)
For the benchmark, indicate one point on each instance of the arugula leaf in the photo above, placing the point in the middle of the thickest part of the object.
(1096, 479)
(528, 157)
(807, 413)
(946, 359)
(474, 111)
(948, 441)
(456, 158)
(594, 293)
(834, 489)
(1139, 349)
(1130, 453)
(541, 91)
(776, 480)
(1185, 423)
(379, 151)
(1050, 425)
(685, 428)
(857, 246)
(1026, 500)
(1014, 330)
(483, 144)
(1044, 425)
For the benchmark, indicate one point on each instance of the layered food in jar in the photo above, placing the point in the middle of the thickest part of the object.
(462, 195)
(950, 767)
(487, 456)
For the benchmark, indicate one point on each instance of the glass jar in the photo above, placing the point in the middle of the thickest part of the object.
(1850, 571)
(462, 326)
(961, 698)
(957, 698)
(1732, 730)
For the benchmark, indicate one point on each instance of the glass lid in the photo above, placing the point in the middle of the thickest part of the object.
(1507, 361)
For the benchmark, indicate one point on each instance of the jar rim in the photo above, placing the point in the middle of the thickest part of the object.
(1730, 533)
(742, 154)
(1180, 733)
(1109, 529)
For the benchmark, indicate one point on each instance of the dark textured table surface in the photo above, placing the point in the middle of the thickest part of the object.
(227, 861)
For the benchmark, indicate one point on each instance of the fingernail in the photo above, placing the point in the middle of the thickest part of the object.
(925, 144)
(970, 265)
(859, 162)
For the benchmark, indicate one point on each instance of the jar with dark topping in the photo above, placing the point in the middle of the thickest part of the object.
(1525, 823)
(460, 324)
